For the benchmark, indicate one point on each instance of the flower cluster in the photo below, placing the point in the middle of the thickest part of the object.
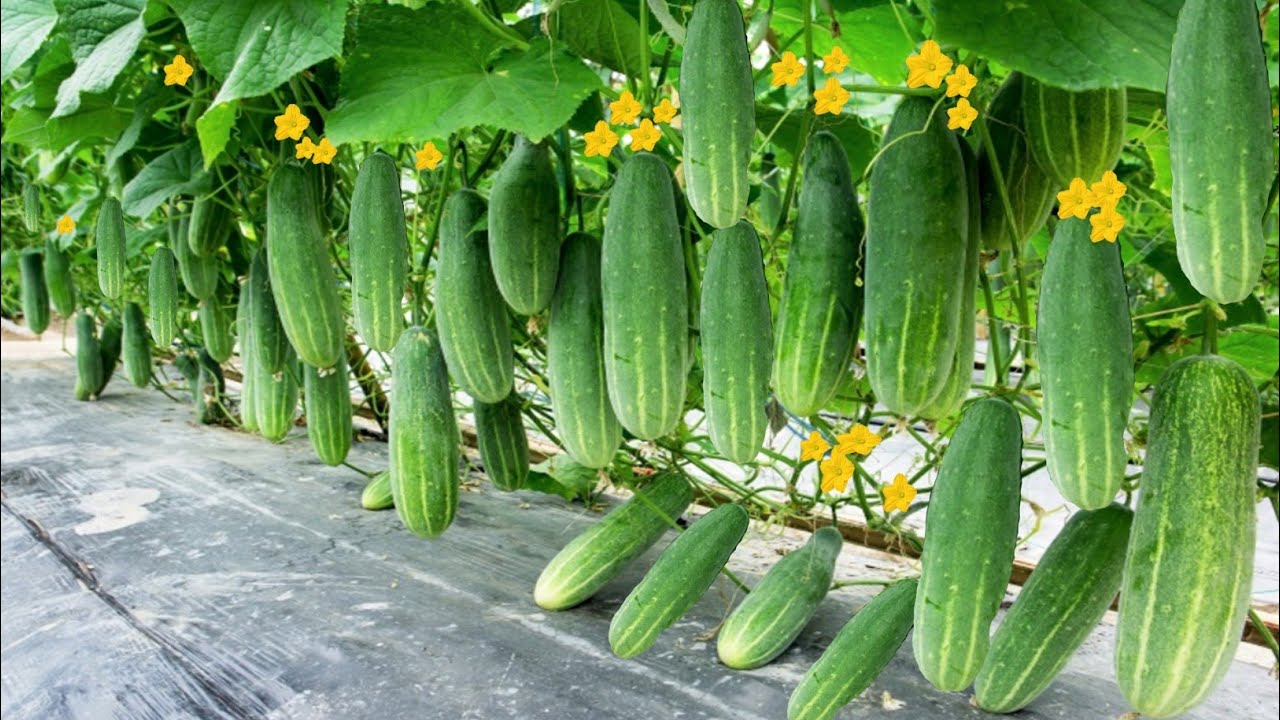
(838, 467)
(828, 99)
(931, 67)
(291, 125)
(1078, 199)
(623, 112)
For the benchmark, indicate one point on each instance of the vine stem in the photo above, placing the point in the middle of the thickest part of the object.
(493, 25)
(646, 92)
(1209, 339)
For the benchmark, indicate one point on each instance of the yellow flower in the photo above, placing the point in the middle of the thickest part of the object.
(324, 152)
(664, 111)
(813, 448)
(66, 225)
(291, 123)
(961, 116)
(960, 82)
(305, 149)
(787, 71)
(1107, 191)
(625, 109)
(836, 472)
(645, 136)
(1106, 225)
(428, 157)
(177, 72)
(831, 98)
(899, 495)
(834, 61)
(601, 140)
(1075, 201)
(928, 67)
(858, 440)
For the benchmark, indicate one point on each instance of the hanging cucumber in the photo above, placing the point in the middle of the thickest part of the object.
(524, 227)
(35, 293)
(504, 447)
(110, 241)
(327, 402)
(136, 346)
(379, 248)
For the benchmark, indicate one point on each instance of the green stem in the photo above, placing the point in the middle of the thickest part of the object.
(1209, 340)
(646, 92)
(494, 26)
(993, 327)
(1267, 637)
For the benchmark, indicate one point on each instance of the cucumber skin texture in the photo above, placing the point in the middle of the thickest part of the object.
(423, 439)
(645, 300)
(1220, 140)
(377, 494)
(270, 344)
(1067, 595)
(471, 317)
(209, 226)
(249, 380)
(137, 346)
(1075, 134)
(524, 227)
(575, 357)
(820, 313)
(717, 97)
(109, 238)
(770, 618)
(162, 297)
(110, 343)
(379, 250)
(301, 276)
(35, 293)
(88, 358)
(277, 399)
(327, 403)
(1085, 350)
(1031, 191)
(31, 208)
(688, 566)
(504, 447)
(199, 274)
(856, 657)
(215, 328)
(737, 343)
(917, 234)
(60, 284)
(973, 527)
(1190, 558)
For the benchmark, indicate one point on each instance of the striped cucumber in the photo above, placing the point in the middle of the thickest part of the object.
(110, 343)
(88, 358)
(277, 398)
(58, 279)
(270, 343)
(162, 297)
(504, 447)
(215, 328)
(379, 249)
(249, 379)
(1029, 189)
(110, 241)
(327, 403)
(136, 346)
(1189, 569)
(199, 274)
(211, 222)
(524, 227)
(1074, 134)
(377, 493)
(35, 293)
(31, 207)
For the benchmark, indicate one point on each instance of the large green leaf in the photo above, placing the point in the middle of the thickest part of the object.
(598, 30)
(877, 35)
(214, 129)
(253, 46)
(450, 73)
(177, 172)
(104, 35)
(1075, 44)
(24, 24)
(95, 121)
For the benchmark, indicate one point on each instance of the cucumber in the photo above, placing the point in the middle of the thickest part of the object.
(917, 238)
(110, 343)
(775, 612)
(584, 418)
(646, 313)
(821, 308)
(968, 551)
(1030, 190)
(1069, 592)
(215, 328)
(211, 222)
(1189, 568)
(277, 398)
(199, 274)
(423, 439)
(717, 111)
(379, 249)
(249, 378)
(58, 280)
(270, 345)
(35, 294)
(1220, 146)
(88, 358)
(31, 208)
(675, 582)
(504, 447)
(1085, 350)
(136, 346)
(301, 277)
(162, 297)
(524, 227)
(1074, 134)
(110, 241)
(855, 658)
(470, 314)
(737, 343)
(377, 494)
(209, 389)
(327, 399)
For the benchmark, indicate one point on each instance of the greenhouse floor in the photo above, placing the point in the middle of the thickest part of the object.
(154, 568)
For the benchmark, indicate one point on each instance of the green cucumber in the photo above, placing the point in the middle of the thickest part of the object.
(137, 346)
(471, 316)
(379, 249)
(35, 293)
(1029, 189)
(88, 358)
(1069, 592)
(524, 227)
(855, 658)
(675, 582)
(504, 447)
(737, 343)
(645, 300)
(208, 389)
(327, 398)
(215, 328)
(917, 238)
(717, 111)
(775, 612)
(968, 551)
(1189, 569)
(162, 297)
(211, 222)
(423, 439)
(199, 274)
(249, 379)
(1220, 146)
(270, 344)
(1074, 134)
(377, 493)
(110, 241)
(110, 343)
(276, 394)
(58, 279)
(31, 208)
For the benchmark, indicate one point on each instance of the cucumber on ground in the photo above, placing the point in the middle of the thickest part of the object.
(249, 379)
(717, 109)
(35, 293)
(377, 494)
(917, 237)
(596, 556)
(1069, 592)
(31, 208)
(1085, 350)
(968, 551)
(524, 227)
(215, 328)
(675, 582)
(211, 223)
(277, 398)
(162, 297)
(327, 403)
(423, 439)
(88, 358)
(1074, 134)
(58, 280)
(1220, 146)
(110, 343)
(301, 277)
(770, 618)
(575, 357)
(471, 316)
(645, 300)
(821, 308)
(737, 343)
(504, 447)
(1189, 568)
(379, 248)
(199, 274)
(136, 346)
(1029, 189)
(110, 241)
(856, 657)
(270, 344)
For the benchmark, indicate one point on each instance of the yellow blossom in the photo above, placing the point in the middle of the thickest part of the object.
(836, 471)
(291, 123)
(787, 71)
(324, 152)
(1106, 225)
(1075, 201)
(858, 440)
(625, 109)
(813, 448)
(664, 111)
(830, 98)
(601, 140)
(428, 157)
(834, 61)
(899, 495)
(66, 225)
(961, 116)
(645, 136)
(960, 82)
(305, 149)
(928, 67)
(177, 72)
(1107, 191)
